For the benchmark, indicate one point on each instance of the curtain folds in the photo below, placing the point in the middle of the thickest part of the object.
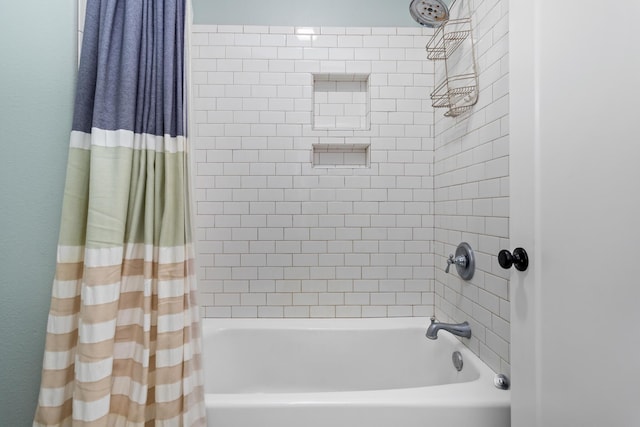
(123, 337)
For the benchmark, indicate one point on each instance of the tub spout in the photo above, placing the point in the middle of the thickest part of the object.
(460, 329)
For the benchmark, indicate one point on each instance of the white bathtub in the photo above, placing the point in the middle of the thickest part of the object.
(344, 372)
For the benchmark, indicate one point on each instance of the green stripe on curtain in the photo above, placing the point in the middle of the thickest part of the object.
(118, 200)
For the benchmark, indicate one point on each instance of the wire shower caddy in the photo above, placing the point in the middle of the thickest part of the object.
(452, 45)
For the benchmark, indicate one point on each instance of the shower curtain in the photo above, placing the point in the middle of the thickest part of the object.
(123, 339)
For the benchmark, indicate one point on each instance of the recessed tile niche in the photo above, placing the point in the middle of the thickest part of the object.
(341, 101)
(341, 156)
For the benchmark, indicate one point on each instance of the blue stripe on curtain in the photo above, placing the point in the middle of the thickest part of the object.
(131, 67)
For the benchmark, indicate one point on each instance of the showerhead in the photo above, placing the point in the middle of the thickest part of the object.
(430, 13)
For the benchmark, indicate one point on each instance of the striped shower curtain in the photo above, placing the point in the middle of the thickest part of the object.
(123, 344)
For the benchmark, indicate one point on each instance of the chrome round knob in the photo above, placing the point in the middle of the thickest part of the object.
(519, 259)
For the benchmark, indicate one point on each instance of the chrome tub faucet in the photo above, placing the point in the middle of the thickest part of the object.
(460, 329)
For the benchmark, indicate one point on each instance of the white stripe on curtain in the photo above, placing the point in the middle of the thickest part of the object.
(127, 139)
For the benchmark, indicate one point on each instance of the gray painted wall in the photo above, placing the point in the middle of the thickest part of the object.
(38, 50)
(341, 13)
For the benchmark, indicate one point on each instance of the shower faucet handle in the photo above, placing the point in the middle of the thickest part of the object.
(464, 260)
(459, 260)
(446, 270)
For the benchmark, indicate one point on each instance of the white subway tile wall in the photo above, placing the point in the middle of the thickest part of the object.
(471, 183)
(278, 237)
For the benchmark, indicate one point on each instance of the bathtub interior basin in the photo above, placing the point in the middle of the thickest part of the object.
(344, 372)
(321, 357)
